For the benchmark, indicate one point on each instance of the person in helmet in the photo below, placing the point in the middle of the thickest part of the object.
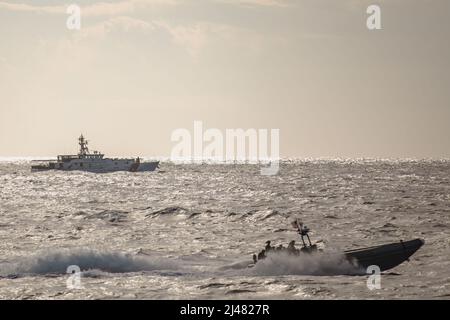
(291, 247)
(268, 246)
(262, 254)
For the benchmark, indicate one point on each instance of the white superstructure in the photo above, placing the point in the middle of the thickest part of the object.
(95, 162)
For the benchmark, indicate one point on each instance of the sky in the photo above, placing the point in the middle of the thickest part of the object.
(139, 69)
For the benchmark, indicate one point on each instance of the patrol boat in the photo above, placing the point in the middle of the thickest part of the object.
(385, 257)
(94, 162)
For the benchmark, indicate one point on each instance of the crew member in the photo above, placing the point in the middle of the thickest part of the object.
(291, 247)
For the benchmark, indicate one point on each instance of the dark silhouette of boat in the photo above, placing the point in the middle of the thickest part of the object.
(385, 257)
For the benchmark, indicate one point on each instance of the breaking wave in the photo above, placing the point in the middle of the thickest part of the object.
(57, 262)
(97, 263)
(168, 211)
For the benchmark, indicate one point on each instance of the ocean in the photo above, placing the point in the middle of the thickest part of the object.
(188, 231)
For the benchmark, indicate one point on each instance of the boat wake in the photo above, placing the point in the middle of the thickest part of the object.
(97, 264)
(57, 262)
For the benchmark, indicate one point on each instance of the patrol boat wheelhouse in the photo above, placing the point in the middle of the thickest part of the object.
(94, 162)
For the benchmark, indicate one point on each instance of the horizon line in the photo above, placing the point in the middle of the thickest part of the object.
(250, 161)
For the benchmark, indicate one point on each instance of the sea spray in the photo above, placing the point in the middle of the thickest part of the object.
(319, 264)
(57, 261)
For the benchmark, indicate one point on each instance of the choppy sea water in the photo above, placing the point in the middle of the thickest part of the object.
(189, 231)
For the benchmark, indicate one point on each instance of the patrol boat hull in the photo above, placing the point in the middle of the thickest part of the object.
(95, 162)
(385, 256)
(103, 167)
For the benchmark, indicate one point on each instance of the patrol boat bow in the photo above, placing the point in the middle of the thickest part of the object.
(385, 256)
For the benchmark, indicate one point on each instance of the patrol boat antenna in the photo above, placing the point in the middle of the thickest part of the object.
(84, 150)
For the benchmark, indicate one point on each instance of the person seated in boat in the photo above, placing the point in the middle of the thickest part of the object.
(268, 246)
(279, 248)
(291, 247)
(262, 254)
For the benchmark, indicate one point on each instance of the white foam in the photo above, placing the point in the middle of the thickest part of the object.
(319, 264)
(56, 262)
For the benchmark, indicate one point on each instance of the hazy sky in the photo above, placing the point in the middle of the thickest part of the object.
(139, 69)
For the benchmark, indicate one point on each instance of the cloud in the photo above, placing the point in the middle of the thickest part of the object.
(258, 3)
(190, 37)
(122, 23)
(21, 7)
(122, 7)
(197, 36)
(119, 16)
(78, 49)
(126, 6)
(95, 9)
(193, 38)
